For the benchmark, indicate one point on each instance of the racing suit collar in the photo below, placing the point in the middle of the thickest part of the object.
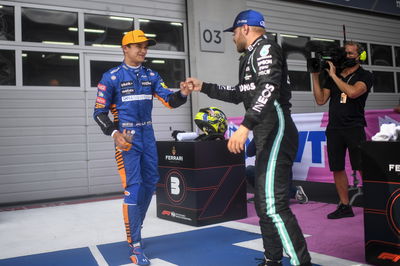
(130, 68)
(255, 43)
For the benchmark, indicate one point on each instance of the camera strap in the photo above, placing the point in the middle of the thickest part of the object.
(352, 75)
(343, 96)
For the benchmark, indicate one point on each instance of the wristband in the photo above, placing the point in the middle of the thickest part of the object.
(112, 134)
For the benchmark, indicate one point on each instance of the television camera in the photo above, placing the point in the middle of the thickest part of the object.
(323, 51)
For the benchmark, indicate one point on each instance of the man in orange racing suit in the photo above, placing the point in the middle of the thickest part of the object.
(127, 91)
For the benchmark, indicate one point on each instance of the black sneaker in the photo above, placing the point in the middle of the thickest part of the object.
(265, 262)
(342, 211)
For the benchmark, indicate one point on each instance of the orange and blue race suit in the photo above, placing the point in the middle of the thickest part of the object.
(128, 92)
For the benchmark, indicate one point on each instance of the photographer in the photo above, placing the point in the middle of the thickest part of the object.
(348, 91)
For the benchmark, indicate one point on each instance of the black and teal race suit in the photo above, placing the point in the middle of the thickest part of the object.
(265, 90)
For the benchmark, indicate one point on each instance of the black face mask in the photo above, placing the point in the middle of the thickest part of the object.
(350, 62)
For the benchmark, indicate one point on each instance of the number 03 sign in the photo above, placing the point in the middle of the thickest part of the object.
(211, 37)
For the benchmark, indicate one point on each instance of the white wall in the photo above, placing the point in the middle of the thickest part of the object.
(221, 68)
(50, 146)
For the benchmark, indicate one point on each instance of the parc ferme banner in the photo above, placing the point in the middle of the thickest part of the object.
(311, 163)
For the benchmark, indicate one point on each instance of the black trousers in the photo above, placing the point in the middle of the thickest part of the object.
(276, 152)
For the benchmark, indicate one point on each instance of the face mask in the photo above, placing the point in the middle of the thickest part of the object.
(350, 62)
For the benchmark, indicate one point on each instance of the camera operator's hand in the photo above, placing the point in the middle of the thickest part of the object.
(332, 69)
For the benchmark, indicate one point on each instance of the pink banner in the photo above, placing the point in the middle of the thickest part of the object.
(311, 163)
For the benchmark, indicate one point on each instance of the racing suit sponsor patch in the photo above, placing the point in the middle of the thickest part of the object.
(127, 124)
(146, 83)
(163, 85)
(264, 72)
(227, 88)
(143, 123)
(247, 87)
(263, 98)
(128, 83)
(127, 91)
(99, 106)
(264, 62)
(265, 50)
(101, 100)
(100, 94)
(131, 98)
(101, 87)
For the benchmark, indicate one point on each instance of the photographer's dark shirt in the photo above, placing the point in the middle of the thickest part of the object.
(351, 113)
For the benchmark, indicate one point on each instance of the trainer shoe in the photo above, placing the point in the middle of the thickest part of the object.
(138, 257)
(301, 196)
(265, 262)
(342, 211)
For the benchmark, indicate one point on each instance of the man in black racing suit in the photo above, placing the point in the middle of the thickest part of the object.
(265, 90)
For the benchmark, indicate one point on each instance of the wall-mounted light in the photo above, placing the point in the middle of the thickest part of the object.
(63, 43)
(157, 61)
(106, 45)
(70, 57)
(325, 40)
(94, 30)
(151, 35)
(176, 24)
(144, 20)
(87, 30)
(289, 36)
(121, 18)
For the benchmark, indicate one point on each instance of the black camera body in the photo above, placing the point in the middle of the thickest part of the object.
(323, 51)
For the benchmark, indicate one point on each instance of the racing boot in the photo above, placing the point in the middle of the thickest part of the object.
(138, 257)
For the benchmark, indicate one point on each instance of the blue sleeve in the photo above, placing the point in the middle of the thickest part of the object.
(161, 92)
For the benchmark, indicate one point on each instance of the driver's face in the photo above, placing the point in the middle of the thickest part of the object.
(239, 39)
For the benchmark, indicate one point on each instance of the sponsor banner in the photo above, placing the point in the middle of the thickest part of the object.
(311, 163)
(140, 97)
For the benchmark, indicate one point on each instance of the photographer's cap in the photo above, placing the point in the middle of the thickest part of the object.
(248, 17)
(136, 36)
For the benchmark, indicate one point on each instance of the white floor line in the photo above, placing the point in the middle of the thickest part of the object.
(97, 256)
(317, 258)
(154, 262)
